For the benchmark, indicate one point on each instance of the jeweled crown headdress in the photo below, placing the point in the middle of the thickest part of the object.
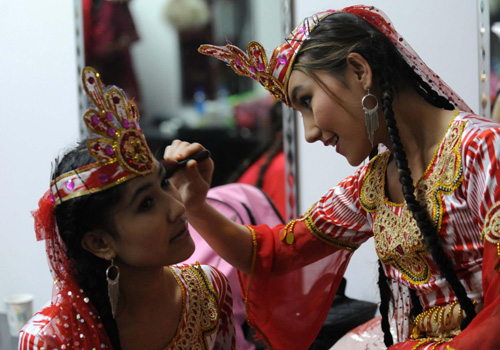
(114, 138)
(275, 73)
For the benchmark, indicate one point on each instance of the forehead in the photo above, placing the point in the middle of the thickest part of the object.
(300, 80)
(133, 184)
(297, 77)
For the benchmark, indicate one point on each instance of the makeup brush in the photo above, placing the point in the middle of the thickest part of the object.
(171, 167)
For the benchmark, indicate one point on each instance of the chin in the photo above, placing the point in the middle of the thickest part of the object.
(189, 248)
(357, 159)
(184, 253)
(355, 162)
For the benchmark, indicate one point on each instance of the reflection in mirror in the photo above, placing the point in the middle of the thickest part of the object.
(149, 47)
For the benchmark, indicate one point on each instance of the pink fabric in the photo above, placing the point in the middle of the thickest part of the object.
(234, 195)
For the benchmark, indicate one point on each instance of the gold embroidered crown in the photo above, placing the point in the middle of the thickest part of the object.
(114, 138)
(273, 74)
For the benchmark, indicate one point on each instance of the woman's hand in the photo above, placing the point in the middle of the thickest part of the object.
(193, 180)
(232, 241)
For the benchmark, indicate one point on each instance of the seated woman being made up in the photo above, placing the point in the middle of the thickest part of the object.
(115, 230)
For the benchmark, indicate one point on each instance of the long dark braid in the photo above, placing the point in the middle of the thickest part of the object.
(426, 91)
(385, 299)
(338, 35)
(420, 213)
(78, 216)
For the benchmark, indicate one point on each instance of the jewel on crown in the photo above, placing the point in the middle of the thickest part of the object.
(253, 64)
(112, 127)
(114, 139)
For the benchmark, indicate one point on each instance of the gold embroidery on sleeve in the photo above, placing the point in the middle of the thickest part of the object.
(287, 233)
(247, 289)
(316, 232)
(491, 229)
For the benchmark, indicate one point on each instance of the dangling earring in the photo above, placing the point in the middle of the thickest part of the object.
(371, 116)
(113, 287)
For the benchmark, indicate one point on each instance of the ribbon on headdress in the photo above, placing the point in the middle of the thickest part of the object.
(274, 75)
(75, 323)
(45, 221)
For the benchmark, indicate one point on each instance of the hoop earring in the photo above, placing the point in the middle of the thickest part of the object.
(113, 287)
(371, 116)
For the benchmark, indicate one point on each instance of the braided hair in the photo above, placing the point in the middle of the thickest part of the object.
(337, 36)
(75, 218)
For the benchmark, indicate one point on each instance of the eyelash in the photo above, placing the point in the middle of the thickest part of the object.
(305, 101)
(165, 182)
(146, 203)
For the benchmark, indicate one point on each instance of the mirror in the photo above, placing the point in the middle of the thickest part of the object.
(149, 48)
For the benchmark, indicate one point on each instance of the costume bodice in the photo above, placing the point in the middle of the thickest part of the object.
(206, 318)
(399, 242)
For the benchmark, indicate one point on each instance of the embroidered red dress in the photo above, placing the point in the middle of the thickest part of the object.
(461, 190)
(206, 321)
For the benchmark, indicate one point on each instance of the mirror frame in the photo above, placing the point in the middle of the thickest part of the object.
(289, 120)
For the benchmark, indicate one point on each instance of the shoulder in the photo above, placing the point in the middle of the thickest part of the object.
(373, 172)
(206, 273)
(37, 333)
(204, 279)
(479, 138)
(215, 275)
(476, 128)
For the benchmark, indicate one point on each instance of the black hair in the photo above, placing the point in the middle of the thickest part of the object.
(75, 218)
(332, 40)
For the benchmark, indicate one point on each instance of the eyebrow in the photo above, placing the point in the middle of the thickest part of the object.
(295, 92)
(146, 186)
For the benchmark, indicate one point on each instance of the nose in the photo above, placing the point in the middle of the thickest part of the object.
(311, 132)
(174, 205)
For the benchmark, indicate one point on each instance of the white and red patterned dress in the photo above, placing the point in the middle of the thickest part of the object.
(206, 321)
(297, 268)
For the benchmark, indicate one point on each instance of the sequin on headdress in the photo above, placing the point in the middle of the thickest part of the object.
(114, 138)
(274, 75)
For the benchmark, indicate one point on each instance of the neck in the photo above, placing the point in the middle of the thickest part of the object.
(141, 289)
(150, 308)
(421, 125)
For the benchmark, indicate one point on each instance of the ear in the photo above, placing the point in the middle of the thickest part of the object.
(362, 72)
(99, 244)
